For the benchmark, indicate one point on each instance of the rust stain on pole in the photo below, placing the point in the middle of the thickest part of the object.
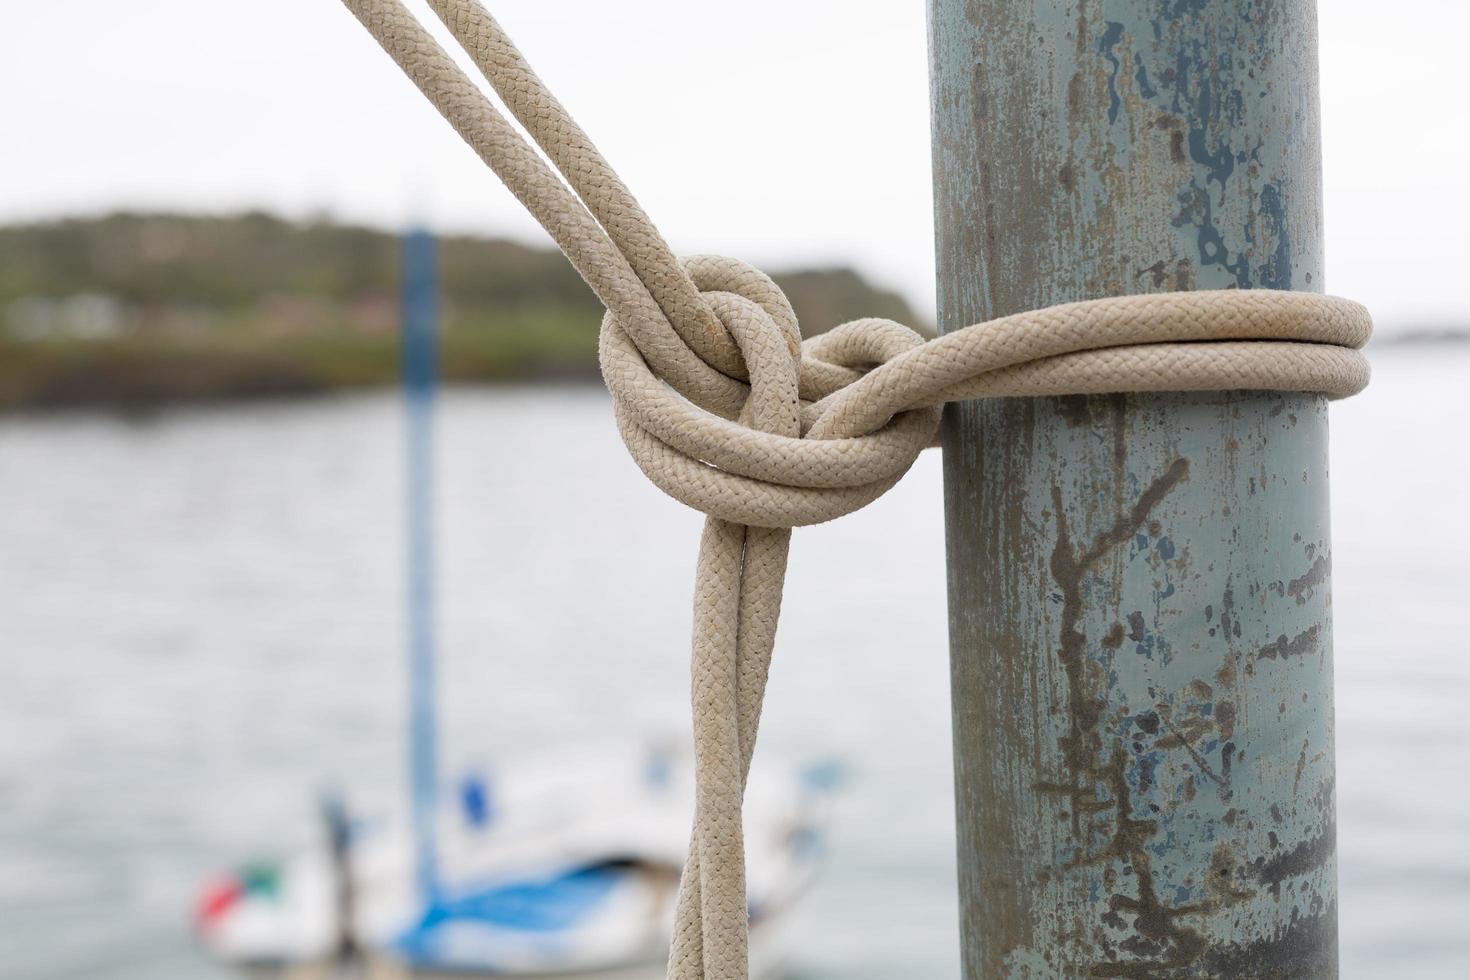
(1139, 584)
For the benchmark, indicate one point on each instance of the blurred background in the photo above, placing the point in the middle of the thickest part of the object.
(202, 476)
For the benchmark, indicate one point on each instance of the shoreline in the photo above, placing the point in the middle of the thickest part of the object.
(137, 374)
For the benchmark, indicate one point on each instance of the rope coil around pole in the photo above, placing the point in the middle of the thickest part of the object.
(725, 408)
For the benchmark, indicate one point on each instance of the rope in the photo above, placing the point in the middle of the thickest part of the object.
(724, 407)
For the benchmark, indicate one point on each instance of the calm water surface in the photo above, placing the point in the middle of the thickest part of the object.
(201, 623)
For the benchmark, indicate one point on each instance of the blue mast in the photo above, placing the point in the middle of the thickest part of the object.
(420, 354)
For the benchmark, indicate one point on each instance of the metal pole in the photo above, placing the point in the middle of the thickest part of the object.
(1139, 595)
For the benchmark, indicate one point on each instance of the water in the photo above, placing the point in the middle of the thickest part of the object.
(201, 626)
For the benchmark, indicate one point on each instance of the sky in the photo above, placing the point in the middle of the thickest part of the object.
(800, 130)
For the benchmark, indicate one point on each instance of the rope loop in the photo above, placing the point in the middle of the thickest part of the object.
(867, 394)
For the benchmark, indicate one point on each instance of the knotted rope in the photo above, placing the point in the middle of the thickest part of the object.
(725, 408)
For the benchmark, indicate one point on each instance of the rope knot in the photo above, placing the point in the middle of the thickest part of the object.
(785, 453)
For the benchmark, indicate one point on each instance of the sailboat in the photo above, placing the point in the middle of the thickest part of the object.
(563, 864)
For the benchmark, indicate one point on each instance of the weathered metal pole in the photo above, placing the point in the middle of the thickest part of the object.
(1139, 604)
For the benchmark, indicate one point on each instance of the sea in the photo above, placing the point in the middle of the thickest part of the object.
(202, 630)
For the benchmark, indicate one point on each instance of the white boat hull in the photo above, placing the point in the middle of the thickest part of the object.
(567, 867)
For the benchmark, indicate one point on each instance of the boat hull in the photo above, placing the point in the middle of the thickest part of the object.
(564, 867)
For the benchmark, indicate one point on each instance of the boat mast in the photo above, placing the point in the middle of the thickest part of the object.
(420, 353)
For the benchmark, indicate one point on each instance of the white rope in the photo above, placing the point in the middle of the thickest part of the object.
(725, 408)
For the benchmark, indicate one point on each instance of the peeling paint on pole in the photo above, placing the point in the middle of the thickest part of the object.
(1139, 584)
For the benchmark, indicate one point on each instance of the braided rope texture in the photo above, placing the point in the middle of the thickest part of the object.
(723, 406)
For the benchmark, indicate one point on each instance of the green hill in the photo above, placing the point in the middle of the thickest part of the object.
(132, 309)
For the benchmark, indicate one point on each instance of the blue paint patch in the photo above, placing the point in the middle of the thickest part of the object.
(1219, 163)
(1141, 776)
(1196, 211)
(1140, 75)
(1183, 8)
(1163, 847)
(1277, 273)
(1110, 39)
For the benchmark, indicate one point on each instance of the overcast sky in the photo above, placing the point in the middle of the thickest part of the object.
(811, 117)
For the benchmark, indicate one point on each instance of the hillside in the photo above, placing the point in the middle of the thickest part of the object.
(132, 309)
